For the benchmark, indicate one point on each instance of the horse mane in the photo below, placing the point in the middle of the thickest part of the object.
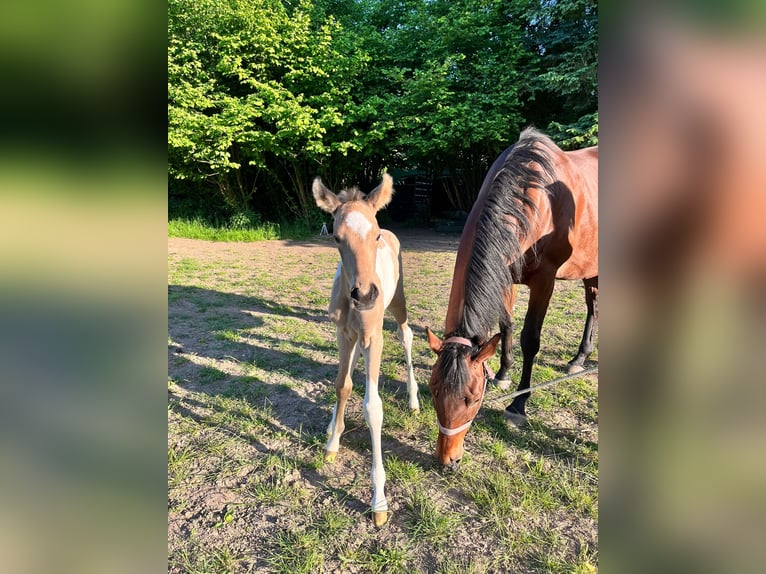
(451, 367)
(350, 194)
(504, 222)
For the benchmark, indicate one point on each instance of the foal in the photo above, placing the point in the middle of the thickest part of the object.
(368, 281)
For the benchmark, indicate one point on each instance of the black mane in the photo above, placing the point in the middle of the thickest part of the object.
(451, 367)
(505, 220)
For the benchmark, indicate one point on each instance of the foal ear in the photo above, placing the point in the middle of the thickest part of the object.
(326, 199)
(379, 197)
(487, 349)
(433, 341)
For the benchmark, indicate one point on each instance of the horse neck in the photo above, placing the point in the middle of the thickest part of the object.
(539, 224)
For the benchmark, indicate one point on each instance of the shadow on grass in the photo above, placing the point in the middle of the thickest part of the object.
(208, 325)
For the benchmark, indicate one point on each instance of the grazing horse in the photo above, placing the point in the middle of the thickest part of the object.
(535, 220)
(368, 281)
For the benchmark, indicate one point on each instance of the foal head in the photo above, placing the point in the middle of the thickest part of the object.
(357, 235)
(458, 382)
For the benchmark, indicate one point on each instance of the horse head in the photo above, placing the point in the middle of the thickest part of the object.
(458, 381)
(357, 235)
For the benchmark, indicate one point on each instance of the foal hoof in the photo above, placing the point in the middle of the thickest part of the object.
(380, 518)
(503, 384)
(330, 456)
(574, 368)
(516, 419)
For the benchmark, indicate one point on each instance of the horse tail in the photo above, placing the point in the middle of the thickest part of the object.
(505, 221)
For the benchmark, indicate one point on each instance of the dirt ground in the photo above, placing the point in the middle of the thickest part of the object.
(234, 310)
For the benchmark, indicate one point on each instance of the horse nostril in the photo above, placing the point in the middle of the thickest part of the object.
(355, 293)
(373, 294)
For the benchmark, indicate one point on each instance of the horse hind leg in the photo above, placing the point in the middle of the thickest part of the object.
(348, 354)
(404, 334)
(398, 308)
(577, 364)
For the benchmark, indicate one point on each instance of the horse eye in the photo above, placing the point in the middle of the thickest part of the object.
(336, 238)
(378, 237)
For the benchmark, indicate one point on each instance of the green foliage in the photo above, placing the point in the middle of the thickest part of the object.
(264, 94)
(582, 133)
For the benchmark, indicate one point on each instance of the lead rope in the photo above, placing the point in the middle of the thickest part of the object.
(488, 374)
(542, 385)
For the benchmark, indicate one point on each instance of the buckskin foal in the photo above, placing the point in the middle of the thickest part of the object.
(367, 282)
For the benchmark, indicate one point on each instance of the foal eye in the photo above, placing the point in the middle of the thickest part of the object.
(378, 237)
(336, 238)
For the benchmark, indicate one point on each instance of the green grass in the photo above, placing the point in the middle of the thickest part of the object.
(199, 229)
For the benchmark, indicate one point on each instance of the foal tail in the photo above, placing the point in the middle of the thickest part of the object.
(505, 221)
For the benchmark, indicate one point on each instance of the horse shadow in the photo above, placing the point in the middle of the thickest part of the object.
(206, 325)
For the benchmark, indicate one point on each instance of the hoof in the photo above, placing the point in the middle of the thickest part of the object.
(503, 384)
(380, 518)
(330, 456)
(415, 411)
(515, 419)
(574, 368)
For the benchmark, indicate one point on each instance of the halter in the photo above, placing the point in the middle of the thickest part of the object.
(488, 374)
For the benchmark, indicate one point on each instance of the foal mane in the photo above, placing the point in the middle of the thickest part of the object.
(350, 194)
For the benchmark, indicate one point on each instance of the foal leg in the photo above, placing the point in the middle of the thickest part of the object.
(540, 291)
(373, 414)
(503, 377)
(398, 308)
(404, 334)
(586, 345)
(347, 347)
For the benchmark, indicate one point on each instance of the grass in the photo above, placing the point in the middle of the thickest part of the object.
(249, 397)
(200, 229)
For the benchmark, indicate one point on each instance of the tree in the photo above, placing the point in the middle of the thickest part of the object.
(563, 88)
(252, 85)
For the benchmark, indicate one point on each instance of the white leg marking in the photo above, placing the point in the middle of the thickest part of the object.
(373, 414)
(334, 432)
(405, 336)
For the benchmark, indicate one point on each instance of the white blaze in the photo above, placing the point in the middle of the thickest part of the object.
(358, 223)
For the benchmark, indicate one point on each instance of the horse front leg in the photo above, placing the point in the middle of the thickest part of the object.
(347, 354)
(586, 345)
(373, 414)
(503, 377)
(540, 291)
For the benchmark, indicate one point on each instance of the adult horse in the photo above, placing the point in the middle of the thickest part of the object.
(535, 220)
(367, 282)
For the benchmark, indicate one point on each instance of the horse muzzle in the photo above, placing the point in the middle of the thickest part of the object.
(364, 301)
(449, 451)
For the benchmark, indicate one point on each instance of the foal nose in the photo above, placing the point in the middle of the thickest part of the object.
(364, 299)
(452, 465)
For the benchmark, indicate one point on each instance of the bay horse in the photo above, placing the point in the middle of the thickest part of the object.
(535, 220)
(368, 281)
